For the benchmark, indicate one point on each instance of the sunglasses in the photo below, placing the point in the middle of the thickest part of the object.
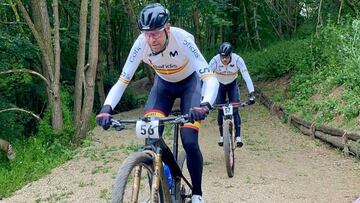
(155, 34)
(224, 57)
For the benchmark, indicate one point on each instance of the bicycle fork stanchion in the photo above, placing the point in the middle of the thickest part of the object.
(155, 185)
(136, 184)
(175, 153)
(176, 141)
(159, 175)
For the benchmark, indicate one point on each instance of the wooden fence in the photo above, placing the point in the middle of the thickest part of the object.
(343, 139)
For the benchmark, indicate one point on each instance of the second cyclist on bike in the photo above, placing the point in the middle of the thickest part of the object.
(226, 66)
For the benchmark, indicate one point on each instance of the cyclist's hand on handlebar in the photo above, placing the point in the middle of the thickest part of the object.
(199, 113)
(104, 117)
(252, 99)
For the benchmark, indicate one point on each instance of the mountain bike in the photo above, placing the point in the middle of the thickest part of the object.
(141, 177)
(229, 134)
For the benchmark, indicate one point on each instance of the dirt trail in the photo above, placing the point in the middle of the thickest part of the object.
(276, 164)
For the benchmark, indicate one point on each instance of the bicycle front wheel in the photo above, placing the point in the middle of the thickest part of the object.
(133, 181)
(229, 147)
(183, 191)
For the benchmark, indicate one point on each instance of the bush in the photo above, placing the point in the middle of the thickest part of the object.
(275, 61)
(332, 68)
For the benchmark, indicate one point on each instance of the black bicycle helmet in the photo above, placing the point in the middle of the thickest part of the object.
(225, 49)
(152, 17)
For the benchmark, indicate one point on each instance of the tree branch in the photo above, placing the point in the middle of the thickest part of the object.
(22, 110)
(27, 71)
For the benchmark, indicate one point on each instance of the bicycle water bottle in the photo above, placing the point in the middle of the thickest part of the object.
(168, 175)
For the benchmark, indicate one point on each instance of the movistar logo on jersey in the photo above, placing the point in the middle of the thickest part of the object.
(134, 54)
(165, 66)
(173, 54)
(192, 48)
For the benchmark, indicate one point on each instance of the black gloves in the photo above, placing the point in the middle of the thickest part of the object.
(199, 113)
(104, 117)
(252, 99)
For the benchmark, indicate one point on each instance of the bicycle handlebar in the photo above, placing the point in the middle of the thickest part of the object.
(118, 124)
(235, 104)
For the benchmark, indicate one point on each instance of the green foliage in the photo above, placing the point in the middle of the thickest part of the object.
(277, 60)
(131, 100)
(16, 51)
(39, 153)
(325, 71)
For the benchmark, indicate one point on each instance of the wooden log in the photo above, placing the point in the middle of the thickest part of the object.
(353, 136)
(308, 128)
(302, 122)
(289, 121)
(302, 128)
(345, 143)
(338, 132)
(330, 130)
(335, 141)
(354, 148)
(313, 129)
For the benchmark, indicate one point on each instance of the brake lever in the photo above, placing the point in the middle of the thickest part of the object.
(117, 125)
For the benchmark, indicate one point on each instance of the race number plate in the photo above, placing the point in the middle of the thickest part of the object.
(228, 110)
(147, 129)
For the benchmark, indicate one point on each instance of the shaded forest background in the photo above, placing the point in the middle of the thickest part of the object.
(59, 58)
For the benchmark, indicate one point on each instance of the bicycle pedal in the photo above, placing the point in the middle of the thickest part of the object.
(239, 144)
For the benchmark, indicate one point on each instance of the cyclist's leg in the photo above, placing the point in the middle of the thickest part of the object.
(234, 97)
(220, 99)
(189, 132)
(160, 100)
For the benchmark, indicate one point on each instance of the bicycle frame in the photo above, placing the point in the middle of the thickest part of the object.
(160, 153)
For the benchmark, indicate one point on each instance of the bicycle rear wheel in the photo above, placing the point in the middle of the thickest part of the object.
(133, 181)
(229, 147)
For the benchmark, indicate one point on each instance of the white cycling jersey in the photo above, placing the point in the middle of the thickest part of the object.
(179, 60)
(228, 73)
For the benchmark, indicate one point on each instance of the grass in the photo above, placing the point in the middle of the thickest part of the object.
(105, 194)
(31, 163)
(132, 147)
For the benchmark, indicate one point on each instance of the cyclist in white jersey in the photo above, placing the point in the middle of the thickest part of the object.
(180, 68)
(226, 66)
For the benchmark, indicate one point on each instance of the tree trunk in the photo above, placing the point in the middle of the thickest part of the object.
(132, 17)
(100, 78)
(135, 31)
(235, 22)
(290, 16)
(247, 30)
(57, 112)
(17, 17)
(319, 19)
(110, 51)
(42, 34)
(79, 79)
(196, 20)
(340, 9)
(90, 73)
(279, 24)
(354, 6)
(256, 27)
(8, 149)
